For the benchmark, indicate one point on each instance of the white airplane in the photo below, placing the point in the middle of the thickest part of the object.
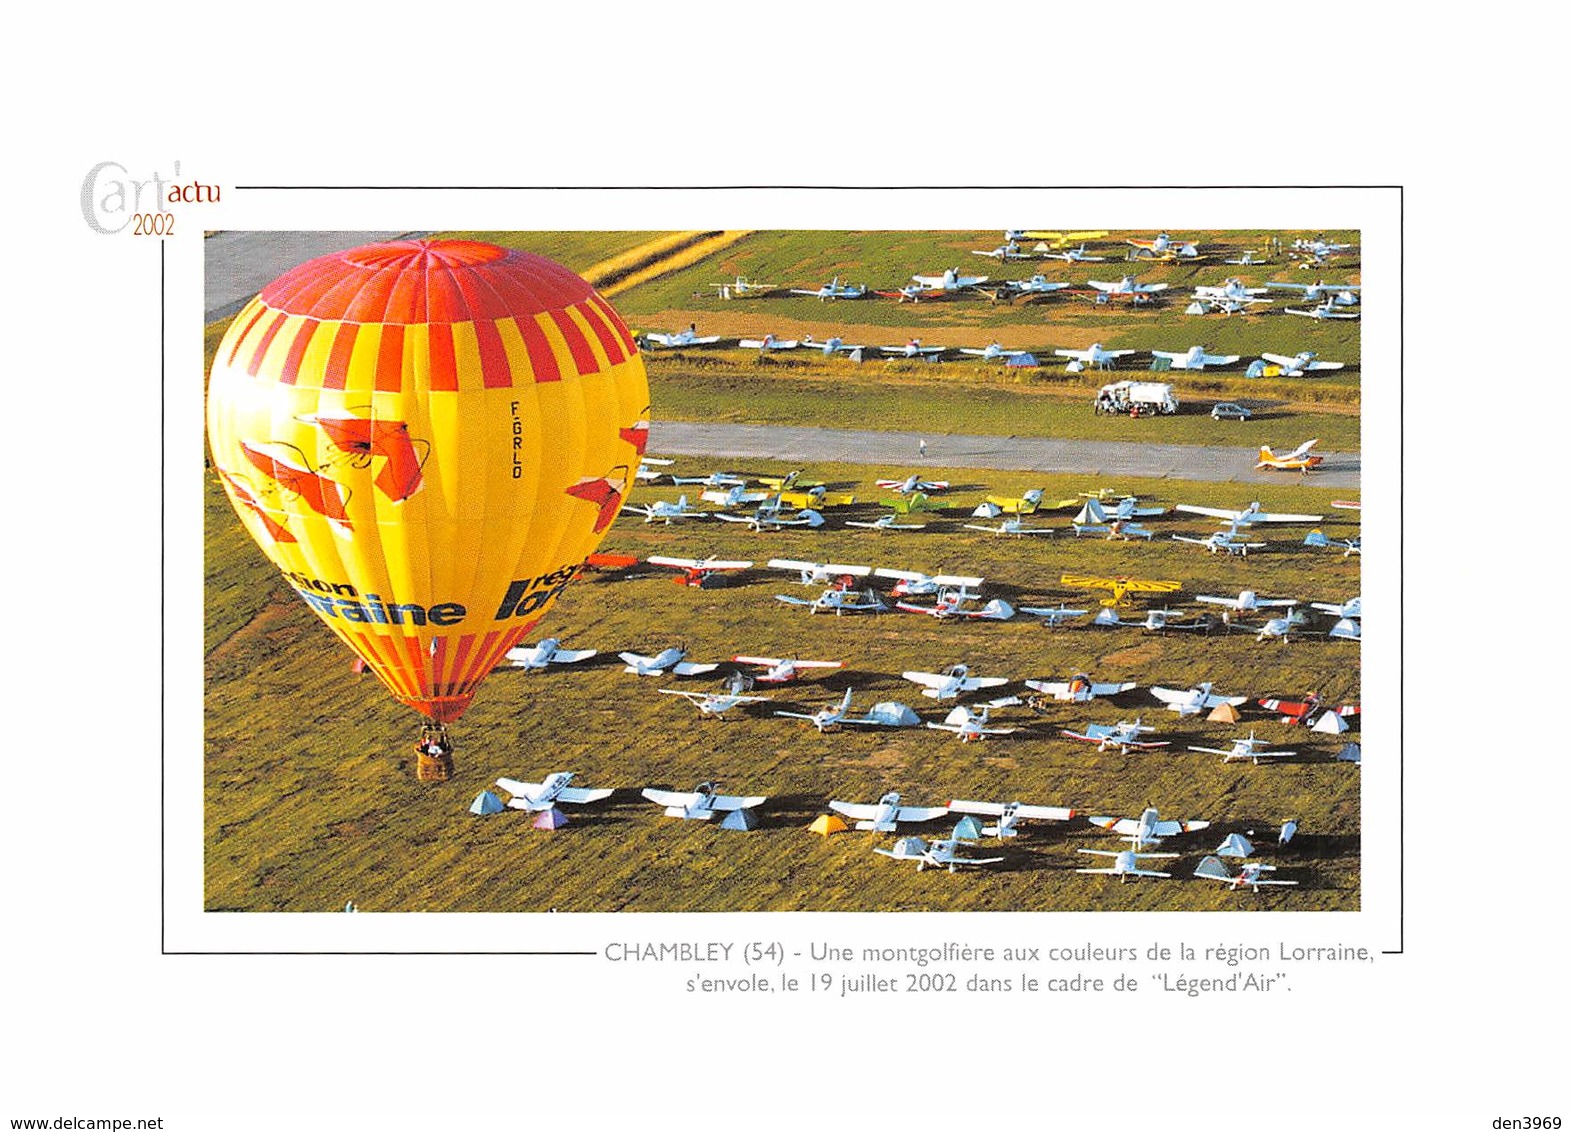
(914, 349)
(781, 670)
(647, 468)
(1126, 863)
(734, 496)
(1079, 689)
(1281, 628)
(1036, 286)
(712, 479)
(950, 606)
(1330, 310)
(715, 704)
(1075, 255)
(1316, 251)
(1006, 251)
(1223, 542)
(1124, 736)
(1246, 258)
(1342, 294)
(1154, 621)
(950, 280)
(886, 523)
(1163, 246)
(534, 658)
(970, 725)
(1353, 607)
(1249, 876)
(1105, 507)
(1124, 530)
(699, 804)
(1231, 291)
(688, 337)
(885, 714)
(839, 601)
(910, 583)
(834, 289)
(1053, 618)
(1094, 355)
(741, 288)
(939, 854)
(1125, 288)
(772, 518)
(1241, 749)
(832, 345)
(1248, 601)
(1195, 700)
(1009, 815)
(662, 512)
(666, 660)
(535, 797)
(952, 682)
(911, 484)
(767, 343)
(1300, 364)
(1010, 526)
(1148, 829)
(701, 572)
(884, 815)
(992, 351)
(1251, 514)
(820, 573)
(1195, 358)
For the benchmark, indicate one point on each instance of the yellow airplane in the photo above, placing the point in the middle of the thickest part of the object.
(1056, 239)
(1121, 587)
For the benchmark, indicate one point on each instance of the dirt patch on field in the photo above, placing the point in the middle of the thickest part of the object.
(274, 626)
(1137, 656)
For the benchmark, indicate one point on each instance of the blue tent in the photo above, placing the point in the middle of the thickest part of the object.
(1022, 361)
(967, 829)
(486, 803)
(740, 819)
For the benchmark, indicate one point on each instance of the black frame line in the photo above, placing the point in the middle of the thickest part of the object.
(1403, 838)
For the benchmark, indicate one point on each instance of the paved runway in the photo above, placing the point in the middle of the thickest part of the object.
(899, 451)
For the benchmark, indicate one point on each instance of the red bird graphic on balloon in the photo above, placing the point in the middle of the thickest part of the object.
(639, 434)
(400, 477)
(241, 491)
(606, 492)
(324, 496)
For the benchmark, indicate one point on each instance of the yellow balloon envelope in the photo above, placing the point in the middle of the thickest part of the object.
(428, 438)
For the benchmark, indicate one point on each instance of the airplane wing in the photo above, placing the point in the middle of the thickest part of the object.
(1284, 517)
(926, 679)
(694, 696)
(683, 668)
(579, 796)
(972, 683)
(1170, 828)
(519, 789)
(634, 660)
(919, 813)
(681, 799)
(679, 563)
(571, 656)
(1124, 826)
(732, 802)
(1214, 512)
(861, 811)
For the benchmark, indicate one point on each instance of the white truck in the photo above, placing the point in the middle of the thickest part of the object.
(1137, 398)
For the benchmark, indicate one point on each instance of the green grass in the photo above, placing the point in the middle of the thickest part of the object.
(577, 251)
(311, 798)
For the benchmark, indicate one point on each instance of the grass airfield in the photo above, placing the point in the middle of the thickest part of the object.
(310, 794)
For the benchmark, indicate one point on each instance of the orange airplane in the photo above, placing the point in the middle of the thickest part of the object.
(1299, 460)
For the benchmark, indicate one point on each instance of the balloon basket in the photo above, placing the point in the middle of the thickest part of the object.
(433, 768)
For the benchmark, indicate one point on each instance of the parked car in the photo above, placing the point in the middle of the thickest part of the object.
(1229, 411)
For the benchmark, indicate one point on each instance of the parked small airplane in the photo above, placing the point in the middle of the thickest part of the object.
(662, 512)
(839, 601)
(1231, 297)
(1075, 255)
(1148, 829)
(705, 573)
(1125, 736)
(1056, 239)
(1195, 358)
(1281, 628)
(1006, 251)
(992, 351)
(772, 518)
(713, 479)
(735, 496)
(886, 523)
(715, 704)
(1126, 863)
(699, 804)
(1125, 288)
(949, 280)
(1353, 607)
(1330, 310)
(950, 605)
(884, 815)
(1079, 689)
(782, 670)
(1342, 294)
(667, 660)
(1223, 542)
(1247, 258)
(914, 349)
(1249, 876)
(647, 468)
(833, 345)
(1195, 700)
(688, 337)
(1121, 587)
(1011, 526)
(1299, 460)
(970, 725)
(1251, 514)
(952, 682)
(939, 854)
(821, 573)
(1027, 503)
(742, 288)
(1242, 749)
(885, 714)
(767, 343)
(1316, 252)
(1306, 711)
(535, 797)
(911, 583)
(834, 289)
(1010, 815)
(1038, 286)
(1123, 530)
(1054, 617)
(1094, 355)
(534, 658)
(912, 484)
(1300, 364)
(1155, 621)
(1318, 538)
(1163, 246)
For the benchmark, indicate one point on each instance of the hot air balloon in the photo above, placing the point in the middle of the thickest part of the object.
(428, 438)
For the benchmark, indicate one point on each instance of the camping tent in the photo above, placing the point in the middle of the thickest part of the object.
(826, 825)
(486, 803)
